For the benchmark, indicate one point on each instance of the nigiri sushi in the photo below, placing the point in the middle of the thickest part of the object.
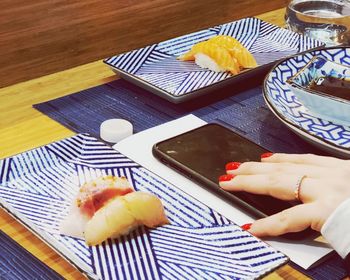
(91, 197)
(124, 214)
(212, 56)
(220, 53)
(94, 194)
(237, 50)
(109, 207)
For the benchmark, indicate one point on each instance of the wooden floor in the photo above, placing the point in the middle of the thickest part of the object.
(39, 37)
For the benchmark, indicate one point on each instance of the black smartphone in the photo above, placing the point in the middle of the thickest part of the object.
(201, 155)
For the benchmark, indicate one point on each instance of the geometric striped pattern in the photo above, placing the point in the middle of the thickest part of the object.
(38, 186)
(156, 66)
(214, 251)
(286, 105)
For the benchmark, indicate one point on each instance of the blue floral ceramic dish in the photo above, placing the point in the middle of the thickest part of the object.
(323, 105)
(155, 67)
(283, 102)
(37, 188)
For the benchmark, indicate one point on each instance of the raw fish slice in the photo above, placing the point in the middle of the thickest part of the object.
(236, 49)
(225, 41)
(123, 214)
(146, 208)
(244, 57)
(220, 55)
(112, 220)
(91, 197)
(191, 53)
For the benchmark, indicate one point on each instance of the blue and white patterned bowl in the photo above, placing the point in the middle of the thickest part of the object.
(323, 105)
(156, 68)
(331, 137)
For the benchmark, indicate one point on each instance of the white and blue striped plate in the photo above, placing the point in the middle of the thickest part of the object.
(331, 137)
(156, 68)
(37, 187)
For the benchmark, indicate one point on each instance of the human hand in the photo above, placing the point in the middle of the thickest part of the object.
(320, 183)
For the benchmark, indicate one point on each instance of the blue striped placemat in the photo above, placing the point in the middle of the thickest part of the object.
(244, 113)
(16, 263)
(241, 109)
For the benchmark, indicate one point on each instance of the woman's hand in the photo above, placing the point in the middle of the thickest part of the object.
(320, 183)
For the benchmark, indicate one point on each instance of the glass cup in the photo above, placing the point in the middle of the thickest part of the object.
(325, 20)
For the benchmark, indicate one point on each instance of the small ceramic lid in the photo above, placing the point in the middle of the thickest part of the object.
(114, 130)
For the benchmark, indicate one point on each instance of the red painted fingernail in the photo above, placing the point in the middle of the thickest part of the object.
(226, 177)
(246, 226)
(232, 165)
(266, 155)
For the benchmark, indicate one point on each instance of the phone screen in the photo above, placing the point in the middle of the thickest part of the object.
(202, 154)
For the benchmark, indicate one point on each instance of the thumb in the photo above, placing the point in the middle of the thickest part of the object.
(293, 219)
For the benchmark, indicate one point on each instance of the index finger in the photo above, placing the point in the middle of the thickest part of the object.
(309, 159)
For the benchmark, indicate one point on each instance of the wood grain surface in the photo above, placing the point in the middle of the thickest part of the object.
(40, 37)
(23, 128)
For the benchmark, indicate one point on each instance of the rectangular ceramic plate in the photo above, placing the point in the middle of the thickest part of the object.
(155, 67)
(38, 186)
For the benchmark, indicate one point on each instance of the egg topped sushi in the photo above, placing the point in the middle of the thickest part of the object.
(220, 53)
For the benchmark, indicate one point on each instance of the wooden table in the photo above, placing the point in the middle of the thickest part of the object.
(23, 128)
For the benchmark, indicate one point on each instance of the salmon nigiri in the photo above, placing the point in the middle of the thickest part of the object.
(221, 53)
(237, 50)
(212, 56)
